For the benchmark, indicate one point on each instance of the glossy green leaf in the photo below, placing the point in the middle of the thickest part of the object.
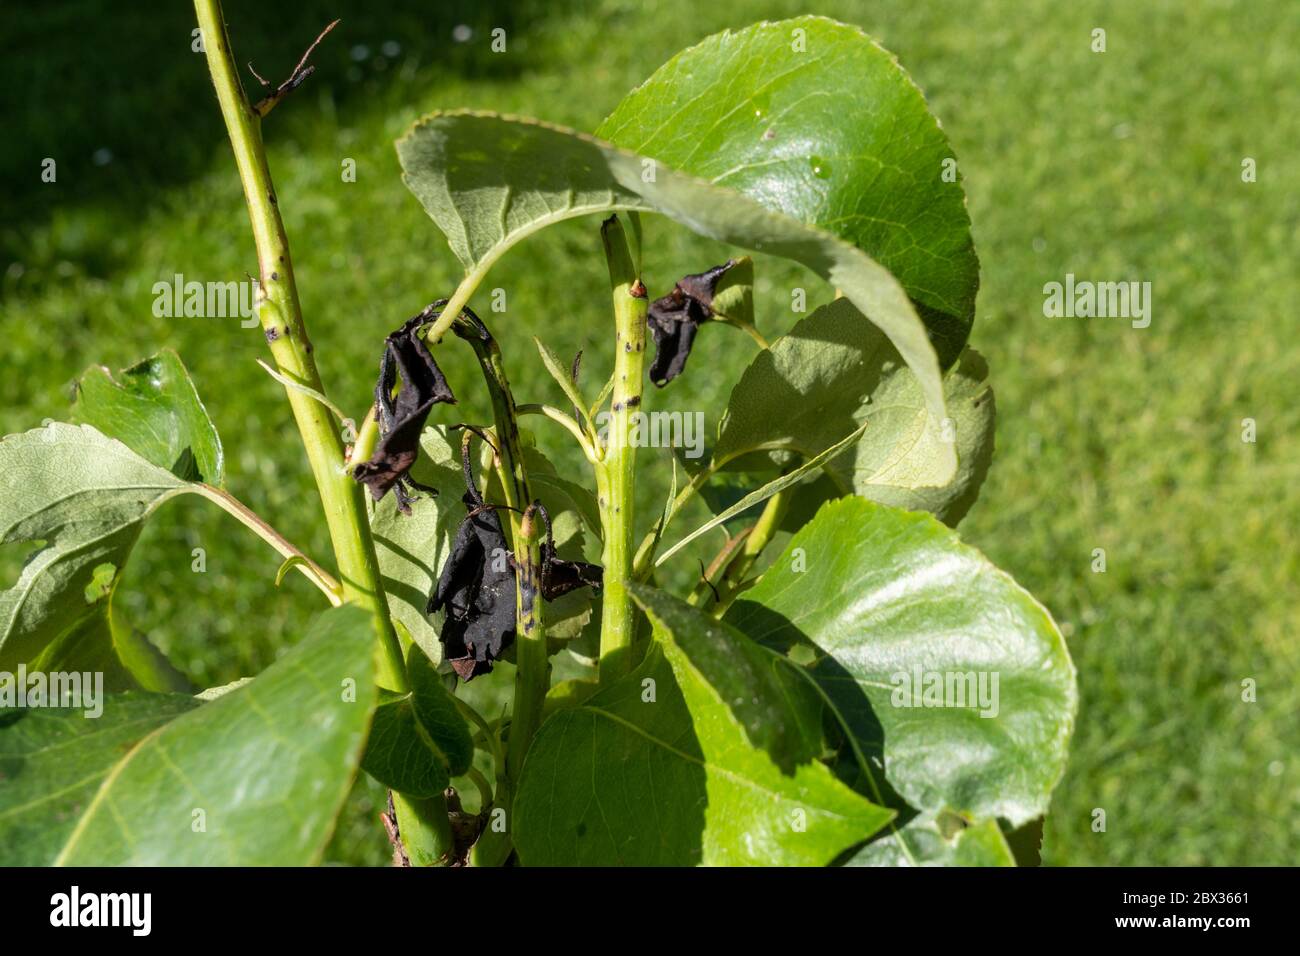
(53, 760)
(418, 740)
(874, 602)
(563, 378)
(153, 408)
(773, 704)
(665, 768)
(253, 778)
(81, 498)
(813, 118)
(398, 753)
(86, 497)
(767, 490)
(834, 372)
(561, 495)
(438, 714)
(490, 181)
(943, 839)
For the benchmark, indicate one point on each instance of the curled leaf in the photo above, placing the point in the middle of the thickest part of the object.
(675, 318)
(476, 588)
(482, 582)
(401, 419)
(560, 576)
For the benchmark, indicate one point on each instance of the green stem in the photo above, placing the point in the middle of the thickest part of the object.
(367, 440)
(760, 535)
(281, 315)
(481, 784)
(532, 665)
(643, 562)
(616, 473)
(424, 823)
(254, 522)
(424, 828)
(567, 421)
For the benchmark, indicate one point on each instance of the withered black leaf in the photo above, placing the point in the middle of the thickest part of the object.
(675, 318)
(476, 588)
(560, 576)
(401, 419)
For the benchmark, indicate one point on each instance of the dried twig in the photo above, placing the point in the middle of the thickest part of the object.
(389, 819)
(300, 73)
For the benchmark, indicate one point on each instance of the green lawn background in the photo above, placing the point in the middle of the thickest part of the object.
(1119, 165)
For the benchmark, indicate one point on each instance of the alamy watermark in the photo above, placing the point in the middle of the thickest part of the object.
(660, 430)
(1085, 299)
(206, 300)
(920, 688)
(82, 690)
(75, 908)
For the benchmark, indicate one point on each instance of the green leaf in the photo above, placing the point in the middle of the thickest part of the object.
(774, 706)
(564, 379)
(943, 839)
(418, 740)
(52, 762)
(872, 600)
(107, 643)
(153, 408)
(438, 714)
(733, 297)
(412, 548)
(767, 491)
(490, 181)
(568, 693)
(86, 497)
(398, 754)
(560, 495)
(813, 118)
(833, 372)
(662, 768)
(269, 764)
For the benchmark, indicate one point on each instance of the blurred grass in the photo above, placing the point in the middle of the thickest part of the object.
(1111, 166)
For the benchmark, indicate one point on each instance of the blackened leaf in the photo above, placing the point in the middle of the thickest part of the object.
(477, 591)
(401, 420)
(559, 576)
(675, 318)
